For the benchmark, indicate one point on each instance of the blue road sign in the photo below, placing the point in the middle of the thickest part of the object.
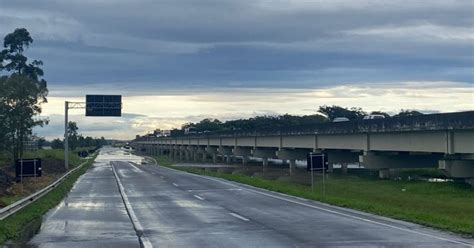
(103, 105)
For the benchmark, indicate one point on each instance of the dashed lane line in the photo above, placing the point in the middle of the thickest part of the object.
(198, 197)
(239, 216)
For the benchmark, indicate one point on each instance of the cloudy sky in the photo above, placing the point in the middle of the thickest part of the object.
(179, 61)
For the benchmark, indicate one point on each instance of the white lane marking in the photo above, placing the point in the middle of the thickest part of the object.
(136, 168)
(200, 198)
(212, 190)
(133, 217)
(239, 216)
(176, 185)
(331, 211)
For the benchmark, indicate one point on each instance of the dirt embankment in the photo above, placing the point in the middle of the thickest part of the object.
(11, 189)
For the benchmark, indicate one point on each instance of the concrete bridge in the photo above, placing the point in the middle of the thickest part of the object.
(444, 141)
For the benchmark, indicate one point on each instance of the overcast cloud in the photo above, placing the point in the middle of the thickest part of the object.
(181, 47)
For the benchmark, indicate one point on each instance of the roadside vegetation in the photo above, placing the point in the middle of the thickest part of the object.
(52, 167)
(13, 227)
(447, 206)
(278, 122)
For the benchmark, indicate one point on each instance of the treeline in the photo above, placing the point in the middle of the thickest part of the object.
(80, 142)
(324, 114)
(22, 91)
(75, 139)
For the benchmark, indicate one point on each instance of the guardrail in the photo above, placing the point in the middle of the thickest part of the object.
(18, 205)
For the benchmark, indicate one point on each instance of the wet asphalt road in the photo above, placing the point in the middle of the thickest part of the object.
(122, 204)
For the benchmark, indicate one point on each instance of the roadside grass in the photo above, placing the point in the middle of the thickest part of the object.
(446, 206)
(12, 227)
(9, 199)
(57, 154)
(53, 159)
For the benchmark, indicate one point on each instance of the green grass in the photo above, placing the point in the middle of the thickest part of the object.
(57, 154)
(10, 199)
(447, 206)
(12, 227)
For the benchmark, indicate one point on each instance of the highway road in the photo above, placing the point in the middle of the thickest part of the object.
(118, 203)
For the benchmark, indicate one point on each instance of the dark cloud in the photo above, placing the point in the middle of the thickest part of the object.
(168, 44)
(190, 47)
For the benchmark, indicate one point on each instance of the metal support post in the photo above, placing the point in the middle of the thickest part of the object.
(66, 142)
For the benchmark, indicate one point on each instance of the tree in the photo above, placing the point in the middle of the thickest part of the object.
(334, 111)
(41, 143)
(57, 144)
(15, 44)
(72, 135)
(21, 98)
(380, 113)
(205, 125)
(21, 93)
(407, 112)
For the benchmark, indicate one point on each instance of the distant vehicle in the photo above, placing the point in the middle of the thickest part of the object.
(340, 119)
(166, 133)
(372, 117)
(190, 130)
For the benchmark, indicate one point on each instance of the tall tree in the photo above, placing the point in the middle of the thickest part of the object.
(57, 144)
(15, 44)
(407, 112)
(386, 115)
(72, 135)
(336, 111)
(22, 92)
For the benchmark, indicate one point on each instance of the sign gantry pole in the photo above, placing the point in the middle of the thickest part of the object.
(67, 106)
(66, 142)
(312, 173)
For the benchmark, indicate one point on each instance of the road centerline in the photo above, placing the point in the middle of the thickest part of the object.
(239, 216)
(198, 197)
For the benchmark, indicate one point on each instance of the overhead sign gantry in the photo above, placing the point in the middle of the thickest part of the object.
(95, 105)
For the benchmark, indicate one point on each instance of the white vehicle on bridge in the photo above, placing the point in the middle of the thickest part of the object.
(340, 119)
(372, 117)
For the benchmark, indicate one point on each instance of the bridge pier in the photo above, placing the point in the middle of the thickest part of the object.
(292, 155)
(341, 157)
(226, 152)
(191, 153)
(265, 164)
(244, 152)
(384, 163)
(176, 153)
(458, 168)
(213, 151)
(182, 154)
(265, 154)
